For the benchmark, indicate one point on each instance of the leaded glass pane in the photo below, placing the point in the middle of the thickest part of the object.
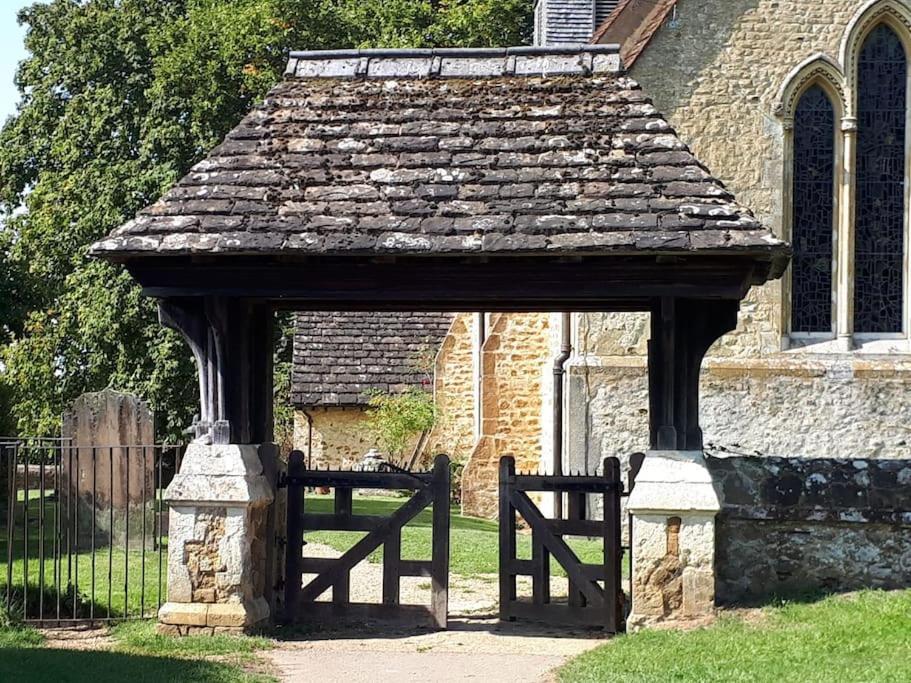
(879, 221)
(814, 205)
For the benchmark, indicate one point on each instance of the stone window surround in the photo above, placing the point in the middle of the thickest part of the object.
(839, 81)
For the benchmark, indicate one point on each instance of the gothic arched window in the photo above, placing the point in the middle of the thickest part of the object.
(879, 224)
(814, 212)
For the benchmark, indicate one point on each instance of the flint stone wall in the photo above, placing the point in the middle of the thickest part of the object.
(791, 525)
(828, 509)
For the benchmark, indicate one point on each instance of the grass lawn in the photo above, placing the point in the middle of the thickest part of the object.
(858, 638)
(473, 542)
(139, 654)
(115, 579)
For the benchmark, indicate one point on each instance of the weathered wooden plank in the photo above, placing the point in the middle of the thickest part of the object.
(554, 613)
(268, 455)
(358, 613)
(392, 557)
(566, 483)
(593, 572)
(421, 568)
(323, 522)
(343, 501)
(440, 543)
(367, 545)
(295, 542)
(612, 590)
(317, 565)
(557, 547)
(576, 527)
(540, 560)
(341, 589)
(507, 538)
(522, 567)
(576, 513)
(512, 283)
(360, 480)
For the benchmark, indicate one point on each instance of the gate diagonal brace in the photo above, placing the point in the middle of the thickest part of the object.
(557, 547)
(366, 545)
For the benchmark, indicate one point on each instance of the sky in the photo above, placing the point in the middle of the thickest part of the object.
(11, 53)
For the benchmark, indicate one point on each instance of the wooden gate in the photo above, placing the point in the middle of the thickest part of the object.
(595, 593)
(430, 489)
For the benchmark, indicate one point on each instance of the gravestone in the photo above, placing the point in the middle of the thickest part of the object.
(108, 470)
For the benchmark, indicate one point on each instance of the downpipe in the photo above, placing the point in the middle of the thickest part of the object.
(559, 382)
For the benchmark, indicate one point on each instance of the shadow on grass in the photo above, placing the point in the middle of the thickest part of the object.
(795, 597)
(64, 666)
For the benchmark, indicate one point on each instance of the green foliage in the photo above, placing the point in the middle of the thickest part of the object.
(18, 637)
(119, 99)
(861, 637)
(142, 637)
(394, 419)
(456, 469)
(282, 408)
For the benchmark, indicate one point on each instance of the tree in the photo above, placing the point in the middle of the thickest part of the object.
(119, 99)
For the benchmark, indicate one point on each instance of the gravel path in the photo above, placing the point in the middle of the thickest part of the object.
(476, 647)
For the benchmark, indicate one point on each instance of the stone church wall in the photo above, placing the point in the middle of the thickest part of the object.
(716, 76)
(454, 392)
(791, 525)
(513, 360)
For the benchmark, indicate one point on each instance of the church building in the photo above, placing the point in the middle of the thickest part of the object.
(801, 109)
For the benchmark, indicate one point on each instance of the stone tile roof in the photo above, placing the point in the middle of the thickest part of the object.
(340, 356)
(449, 152)
(632, 25)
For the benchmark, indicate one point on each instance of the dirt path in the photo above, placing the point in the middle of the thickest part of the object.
(477, 647)
(78, 639)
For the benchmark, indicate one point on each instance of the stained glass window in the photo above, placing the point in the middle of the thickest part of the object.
(814, 206)
(879, 217)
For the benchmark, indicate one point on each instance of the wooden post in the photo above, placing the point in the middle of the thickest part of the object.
(392, 561)
(268, 455)
(295, 549)
(231, 341)
(576, 511)
(344, 501)
(540, 586)
(682, 330)
(507, 537)
(612, 590)
(344, 507)
(440, 559)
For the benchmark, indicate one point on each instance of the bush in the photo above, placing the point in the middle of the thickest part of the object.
(394, 419)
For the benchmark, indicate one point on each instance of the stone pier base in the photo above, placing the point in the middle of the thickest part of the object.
(673, 504)
(217, 546)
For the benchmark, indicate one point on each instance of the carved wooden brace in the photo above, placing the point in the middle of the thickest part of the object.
(683, 330)
(231, 341)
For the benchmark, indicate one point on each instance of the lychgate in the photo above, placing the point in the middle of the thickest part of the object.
(523, 179)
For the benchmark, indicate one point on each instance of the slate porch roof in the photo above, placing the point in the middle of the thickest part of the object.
(340, 356)
(458, 152)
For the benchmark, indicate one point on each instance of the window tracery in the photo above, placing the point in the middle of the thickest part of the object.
(814, 206)
(879, 222)
(846, 190)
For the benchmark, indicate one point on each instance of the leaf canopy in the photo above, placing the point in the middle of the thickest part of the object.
(119, 98)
